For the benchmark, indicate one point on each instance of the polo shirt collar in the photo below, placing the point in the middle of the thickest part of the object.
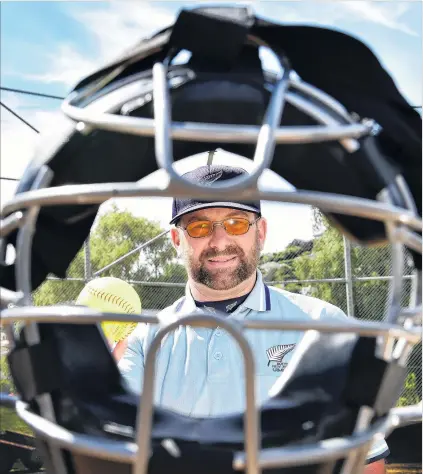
(257, 300)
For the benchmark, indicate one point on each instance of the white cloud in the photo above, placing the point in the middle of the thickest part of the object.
(114, 28)
(334, 13)
(386, 13)
(120, 25)
(18, 140)
(380, 25)
(65, 66)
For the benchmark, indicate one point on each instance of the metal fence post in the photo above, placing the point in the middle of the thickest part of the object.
(348, 277)
(88, 274)
(416, 290)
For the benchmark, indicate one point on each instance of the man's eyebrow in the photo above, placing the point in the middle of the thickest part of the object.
(202, 217)
(198, 217)
(237, 212)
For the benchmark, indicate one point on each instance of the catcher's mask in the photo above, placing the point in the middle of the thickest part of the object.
(337, 129)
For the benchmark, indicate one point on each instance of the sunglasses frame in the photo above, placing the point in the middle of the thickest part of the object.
(221, 223)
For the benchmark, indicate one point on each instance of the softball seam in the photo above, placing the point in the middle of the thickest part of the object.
(109, 298)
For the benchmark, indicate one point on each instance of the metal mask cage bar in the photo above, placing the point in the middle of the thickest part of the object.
(396, 217)
(241, 188)
(402, 225)
(254, 459)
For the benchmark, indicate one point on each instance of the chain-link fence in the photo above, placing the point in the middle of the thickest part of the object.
(329, 267)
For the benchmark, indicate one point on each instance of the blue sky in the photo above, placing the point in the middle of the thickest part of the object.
(48, 46)
(34, 35)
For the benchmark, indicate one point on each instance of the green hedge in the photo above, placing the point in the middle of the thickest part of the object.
(10, 421)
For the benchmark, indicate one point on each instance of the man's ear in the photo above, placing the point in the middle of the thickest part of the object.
(175, 237)
(262, 228)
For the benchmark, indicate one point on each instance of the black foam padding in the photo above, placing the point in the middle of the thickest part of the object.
(313, 403)
(29, 364)
(214, 38)
(383, 381)
(237, 96)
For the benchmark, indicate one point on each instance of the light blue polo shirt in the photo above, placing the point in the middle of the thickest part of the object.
(200, 371)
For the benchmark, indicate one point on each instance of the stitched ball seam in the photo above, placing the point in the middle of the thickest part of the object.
(108, 297)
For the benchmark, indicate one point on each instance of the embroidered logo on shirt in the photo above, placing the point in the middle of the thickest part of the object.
(276, 354)
(231, 306)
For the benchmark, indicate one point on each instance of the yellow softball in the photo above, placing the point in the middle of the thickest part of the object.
(112, 295)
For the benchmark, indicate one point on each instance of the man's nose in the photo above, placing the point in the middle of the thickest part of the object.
(219, 237)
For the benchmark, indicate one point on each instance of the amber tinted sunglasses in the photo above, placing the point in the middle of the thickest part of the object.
(232, 225)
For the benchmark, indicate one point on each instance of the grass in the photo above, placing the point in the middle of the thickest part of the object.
(404, 469)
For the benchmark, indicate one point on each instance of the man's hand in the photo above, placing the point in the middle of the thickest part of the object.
(120, 349)
(378, 467)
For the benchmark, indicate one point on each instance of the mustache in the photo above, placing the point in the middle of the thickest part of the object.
(230, 250)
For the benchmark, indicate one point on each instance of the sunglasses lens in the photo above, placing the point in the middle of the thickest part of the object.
(237, 226)
(199, 229)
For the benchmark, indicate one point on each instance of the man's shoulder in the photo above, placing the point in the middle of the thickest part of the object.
(144, 329)
(309, 305)
(175, 307)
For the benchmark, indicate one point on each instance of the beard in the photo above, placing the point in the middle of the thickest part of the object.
(223, 279)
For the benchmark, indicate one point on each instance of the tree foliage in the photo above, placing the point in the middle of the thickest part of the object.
(117, 233)
(323, 258)
(9, 420)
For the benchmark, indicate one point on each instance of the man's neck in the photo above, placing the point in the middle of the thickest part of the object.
(203, 293)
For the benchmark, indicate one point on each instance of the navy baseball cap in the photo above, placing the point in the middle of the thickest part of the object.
(205, 176)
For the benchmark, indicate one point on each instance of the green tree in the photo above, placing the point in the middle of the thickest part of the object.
(9, 420)
(119, 232)
(279, 266)
(159, 297)
(411, 393)
(6, 384)
(324, 261)
(115, 234)
(56, 291)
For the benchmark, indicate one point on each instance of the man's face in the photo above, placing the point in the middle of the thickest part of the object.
(220, 261)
